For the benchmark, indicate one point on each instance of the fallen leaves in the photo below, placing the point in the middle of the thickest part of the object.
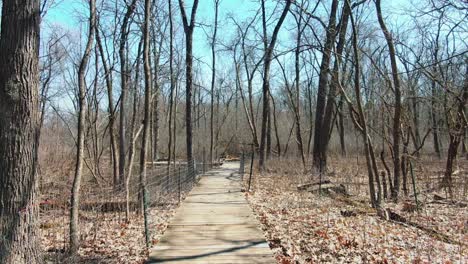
(305, 228)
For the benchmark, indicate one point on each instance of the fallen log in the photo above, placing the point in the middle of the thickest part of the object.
(388, 215)
(306, 186)
(326, 188)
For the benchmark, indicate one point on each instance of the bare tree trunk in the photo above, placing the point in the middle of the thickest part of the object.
(123, 83)
(397, 111)
(266, 83)
(275, 123)
(134, 135)
(188, 29)
(435, 125)
(297, 104)
(341, 126)
(172, 88)
(19, 132)
(111, 108)
(361, 124)
(319, 158)
(75, 193)
(330, 108)
(456, 134)
(213, 76)
(268, 130)
(156, 96)
(147, 107)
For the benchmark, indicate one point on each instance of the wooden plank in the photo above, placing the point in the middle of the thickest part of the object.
(214, 225)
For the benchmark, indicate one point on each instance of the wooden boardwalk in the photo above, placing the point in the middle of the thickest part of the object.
(214, 224)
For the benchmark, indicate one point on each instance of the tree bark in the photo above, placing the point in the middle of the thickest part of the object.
(19, 132)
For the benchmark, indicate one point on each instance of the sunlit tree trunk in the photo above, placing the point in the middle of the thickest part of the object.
(19, 132)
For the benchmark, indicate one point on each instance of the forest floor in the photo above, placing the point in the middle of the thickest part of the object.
(305, 227)
(106, 237)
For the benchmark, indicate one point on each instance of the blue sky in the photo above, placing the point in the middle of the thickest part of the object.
(67, 13)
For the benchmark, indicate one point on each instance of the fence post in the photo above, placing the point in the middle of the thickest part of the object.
(178, 182)
(242, 163)
(204, 161)
(251, 169)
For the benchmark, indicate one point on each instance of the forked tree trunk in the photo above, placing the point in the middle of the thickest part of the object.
(330, 108)
(188, 29)
(266, 83)
(19, 132)
(397, 112)
(75, 194)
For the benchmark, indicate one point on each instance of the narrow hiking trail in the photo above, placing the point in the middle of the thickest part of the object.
(214, 224)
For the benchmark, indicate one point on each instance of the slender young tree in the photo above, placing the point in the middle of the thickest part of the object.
(19, 132)
(397, 111)
(213, 76)
(111, 108)
(75, 194)
(172, 80)
(124, 76)
(147, 104)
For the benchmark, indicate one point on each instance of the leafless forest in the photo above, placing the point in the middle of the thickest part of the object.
(348, 119)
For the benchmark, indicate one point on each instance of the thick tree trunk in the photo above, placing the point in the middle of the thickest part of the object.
(330, 108)
(19, 132)
(188, 29)
(75, 193)
(319, 158)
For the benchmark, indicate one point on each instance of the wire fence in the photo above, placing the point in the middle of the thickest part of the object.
(142, 202)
